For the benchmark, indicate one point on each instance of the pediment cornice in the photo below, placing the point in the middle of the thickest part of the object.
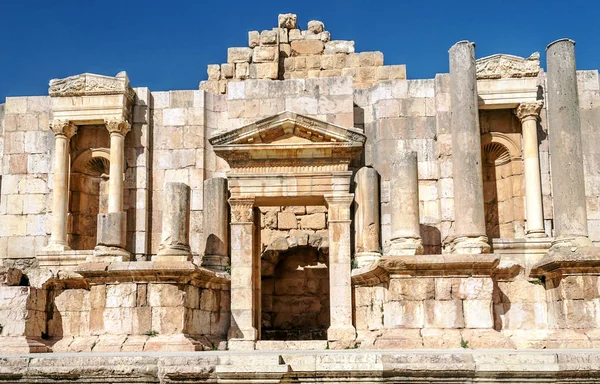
(91, 84)
(503, 66)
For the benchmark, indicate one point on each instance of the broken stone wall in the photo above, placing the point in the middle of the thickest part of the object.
(589, 102)
(26, 176)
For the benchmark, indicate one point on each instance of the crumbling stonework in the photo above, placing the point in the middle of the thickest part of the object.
(305, 197)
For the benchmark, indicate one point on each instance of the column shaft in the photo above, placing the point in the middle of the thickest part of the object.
(175, 245)
(243, 328)
(404, 200)
(63, 131)
(568, 188)
(528, 114)
(117, 167)
(216, 224)
(366, 215)
(341, 330)
(466, 152)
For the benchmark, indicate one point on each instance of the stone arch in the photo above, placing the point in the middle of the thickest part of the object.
(89, 193)
(502, 181)
(295, 288)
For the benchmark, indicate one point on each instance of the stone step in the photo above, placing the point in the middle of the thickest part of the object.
(251, 360)
(308, 345)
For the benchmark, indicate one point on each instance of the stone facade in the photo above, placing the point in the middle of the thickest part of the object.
(305, 197)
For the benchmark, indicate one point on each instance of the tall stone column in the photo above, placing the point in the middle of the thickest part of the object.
(216, 224)
(404, 200)
(470, 235)
(175, 244)
(118, 129)
(243, 331)
(112, 226)
(341, 332)
(529, 113)
(63, 131)
(566, 155)
(366, 215)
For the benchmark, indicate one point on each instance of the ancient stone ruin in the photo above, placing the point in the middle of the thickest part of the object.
(306, 199)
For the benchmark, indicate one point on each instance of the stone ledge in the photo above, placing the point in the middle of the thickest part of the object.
(441, 265)
(379, 366)
(568, 261)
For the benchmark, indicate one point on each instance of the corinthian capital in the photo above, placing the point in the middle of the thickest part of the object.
(118, 126)
(241, 210)
(63, 128)
(529, 110)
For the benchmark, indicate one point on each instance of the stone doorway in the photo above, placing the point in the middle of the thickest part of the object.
(295, 289)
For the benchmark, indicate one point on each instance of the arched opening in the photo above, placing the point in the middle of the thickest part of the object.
(295, 292)
(88, 185)
(501, 190)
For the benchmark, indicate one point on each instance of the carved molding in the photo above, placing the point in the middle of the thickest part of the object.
(118, 126)
(91, 84)
(63, 128)
(502, 66)
(525, 110)
(242, 210)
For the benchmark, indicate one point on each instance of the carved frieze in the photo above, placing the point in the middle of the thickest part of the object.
(502, 66)
(91, 84)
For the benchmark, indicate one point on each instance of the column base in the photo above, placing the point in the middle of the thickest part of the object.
(470, 245)
(406, 246)
(364, 259)
(572, 242)
(341, 336)
(237, 334)
(107, 254)
(22, 344)
(241, 345)
(56, 247)
(536, 233)
(216, 262)
(172, 254)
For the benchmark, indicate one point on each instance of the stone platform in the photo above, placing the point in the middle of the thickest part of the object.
(303, 366)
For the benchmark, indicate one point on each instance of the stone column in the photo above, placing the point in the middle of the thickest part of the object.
(63, 131)
(341, 332)
(118, 129)
(404, 200)
(112, 226)
(366, 215)
(243, 330)
(216, 224)
(175, 245)
(470, 235)
(529, 113)
(566, 155)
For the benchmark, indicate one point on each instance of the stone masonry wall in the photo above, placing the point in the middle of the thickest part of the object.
(287, 52)
(26, 176)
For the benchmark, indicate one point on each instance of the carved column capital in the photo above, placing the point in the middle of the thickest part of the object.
(529, 110)
(63, 128)
(338, 206)
(241, 210)
(118, 126)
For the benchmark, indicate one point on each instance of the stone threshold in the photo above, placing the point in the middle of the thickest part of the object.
(303, 366)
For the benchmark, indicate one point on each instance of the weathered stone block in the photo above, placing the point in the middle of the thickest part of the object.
(253, 39)
(307, 47)
(239, 55)
(403, 314)
(412, 289)
(112, 229)
(268, 37)
(444, 314)
(313, 221)
(478, 313)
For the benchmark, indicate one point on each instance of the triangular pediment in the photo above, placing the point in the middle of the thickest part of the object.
(289, 128)
(504, 66)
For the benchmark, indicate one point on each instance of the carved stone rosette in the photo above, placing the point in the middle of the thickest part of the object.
(63, 128)
(241, 210)
(529, 110)
(118, 126)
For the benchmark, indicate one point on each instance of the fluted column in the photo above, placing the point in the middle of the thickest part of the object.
(118, 129)
(529, 113)
(63, 131)
(404, 199)
(470, 234)
(368, 249)
(244, 329)
(341, 332)
(566, 154)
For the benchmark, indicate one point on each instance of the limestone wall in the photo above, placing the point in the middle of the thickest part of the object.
(26, 176)
(589, 101)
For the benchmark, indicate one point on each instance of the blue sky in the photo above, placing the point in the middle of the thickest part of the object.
(167, 44)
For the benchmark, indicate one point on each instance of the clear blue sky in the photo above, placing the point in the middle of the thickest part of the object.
(167, 44)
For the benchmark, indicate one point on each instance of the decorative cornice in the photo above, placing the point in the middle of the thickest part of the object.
(502, 66)
(91, 84)
(63, 128)
(525, 110)
(118, 126)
